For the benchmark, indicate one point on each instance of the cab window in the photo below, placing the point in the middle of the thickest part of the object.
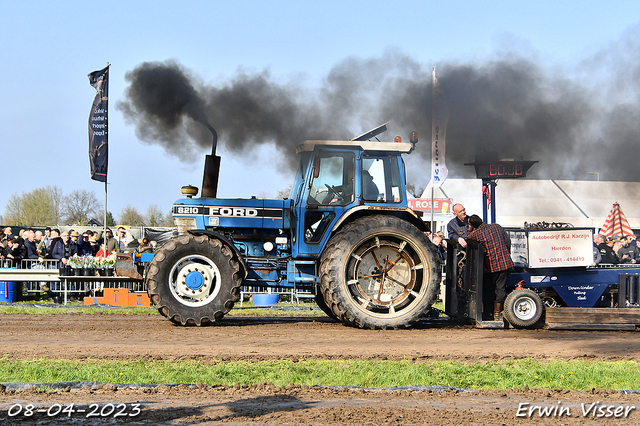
(332, 179)
(381, 179)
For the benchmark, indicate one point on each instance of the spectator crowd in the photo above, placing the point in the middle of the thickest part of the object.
(59, 247)
(616, 250)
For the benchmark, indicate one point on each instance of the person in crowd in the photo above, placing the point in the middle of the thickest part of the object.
(74, 236)
(30, 245)
(41, 249)
(83, 246)
(605, 247)
(458, 227)
(6, 233)
(56, 250)
(497, 262)
(597, 257)
(103, 252)
(123, 238)
(47, 237)
(438, 240)
(14, 251)
(626, 252)
(92, 240)
(145, 246)
(69, 248)
(20, 237)
(112, 243)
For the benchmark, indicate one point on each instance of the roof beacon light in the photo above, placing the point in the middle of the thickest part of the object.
(398, 139)
(189, 191)
(413, 138)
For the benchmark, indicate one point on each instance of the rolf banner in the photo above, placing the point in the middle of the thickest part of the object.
(422, 204)
(99, 125)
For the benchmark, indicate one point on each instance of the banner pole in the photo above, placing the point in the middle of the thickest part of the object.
(432, 223)
(104, 231)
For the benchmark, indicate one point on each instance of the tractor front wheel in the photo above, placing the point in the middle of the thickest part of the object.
(194, 280)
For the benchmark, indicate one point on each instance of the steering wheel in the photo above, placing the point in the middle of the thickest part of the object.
(333, 191)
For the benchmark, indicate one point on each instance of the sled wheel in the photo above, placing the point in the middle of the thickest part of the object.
(523, 308)
(194, 280)
(379, 272)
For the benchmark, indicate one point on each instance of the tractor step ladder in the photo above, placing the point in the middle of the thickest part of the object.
(304, 277)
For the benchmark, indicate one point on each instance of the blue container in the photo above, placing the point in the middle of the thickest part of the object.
(8, 291)
(265, 299)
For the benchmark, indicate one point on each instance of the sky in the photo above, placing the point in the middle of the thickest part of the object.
(334, 68)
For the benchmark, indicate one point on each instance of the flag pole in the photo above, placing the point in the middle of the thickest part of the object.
(104, 231)
(433, 109)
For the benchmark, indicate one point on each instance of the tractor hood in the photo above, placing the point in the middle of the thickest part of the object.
(199, 213)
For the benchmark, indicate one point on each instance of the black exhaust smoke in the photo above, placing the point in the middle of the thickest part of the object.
(507, 104)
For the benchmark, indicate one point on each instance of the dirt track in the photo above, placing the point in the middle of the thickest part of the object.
(79, 336)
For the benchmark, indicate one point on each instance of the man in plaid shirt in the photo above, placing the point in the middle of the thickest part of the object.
(497, 261)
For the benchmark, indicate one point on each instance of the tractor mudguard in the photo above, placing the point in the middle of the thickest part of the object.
(225, 240)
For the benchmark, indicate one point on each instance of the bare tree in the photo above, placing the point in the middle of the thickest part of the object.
(40, 206)
(284, 193)
(168, 220)
(154, 216)
(58, 201)
(80, 206)
(130, 215)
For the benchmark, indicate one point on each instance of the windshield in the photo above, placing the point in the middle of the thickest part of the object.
(333, 183)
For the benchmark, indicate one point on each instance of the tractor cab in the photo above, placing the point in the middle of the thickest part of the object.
(338, 179)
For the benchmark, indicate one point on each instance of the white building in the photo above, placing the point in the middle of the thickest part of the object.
(581, 203)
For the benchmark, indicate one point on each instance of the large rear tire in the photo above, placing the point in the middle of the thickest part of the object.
(523, 308)
(322, 304)
(379, 272)
(194, 280)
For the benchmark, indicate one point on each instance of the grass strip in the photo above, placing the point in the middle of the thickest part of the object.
(95, 310)
(572, 374)
(78, 309)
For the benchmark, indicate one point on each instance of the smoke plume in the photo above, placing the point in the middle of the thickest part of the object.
(585, 117)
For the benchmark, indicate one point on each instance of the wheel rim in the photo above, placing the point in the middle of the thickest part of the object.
(194, 280)
(524, 308)
(386, 275)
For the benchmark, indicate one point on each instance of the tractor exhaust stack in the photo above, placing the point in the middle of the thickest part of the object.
(211, 169)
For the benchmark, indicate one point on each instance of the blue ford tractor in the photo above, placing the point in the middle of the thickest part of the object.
(345, 232)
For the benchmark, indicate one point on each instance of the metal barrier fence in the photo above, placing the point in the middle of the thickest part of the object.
(43, 276)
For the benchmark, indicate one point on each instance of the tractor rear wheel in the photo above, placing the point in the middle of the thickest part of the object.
(523, 308)
(379, 272)
(322, 304)
(194, 280)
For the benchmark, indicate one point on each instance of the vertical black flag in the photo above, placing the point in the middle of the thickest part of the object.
(99, 125)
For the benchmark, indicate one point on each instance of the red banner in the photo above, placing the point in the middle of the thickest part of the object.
(424, 205)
